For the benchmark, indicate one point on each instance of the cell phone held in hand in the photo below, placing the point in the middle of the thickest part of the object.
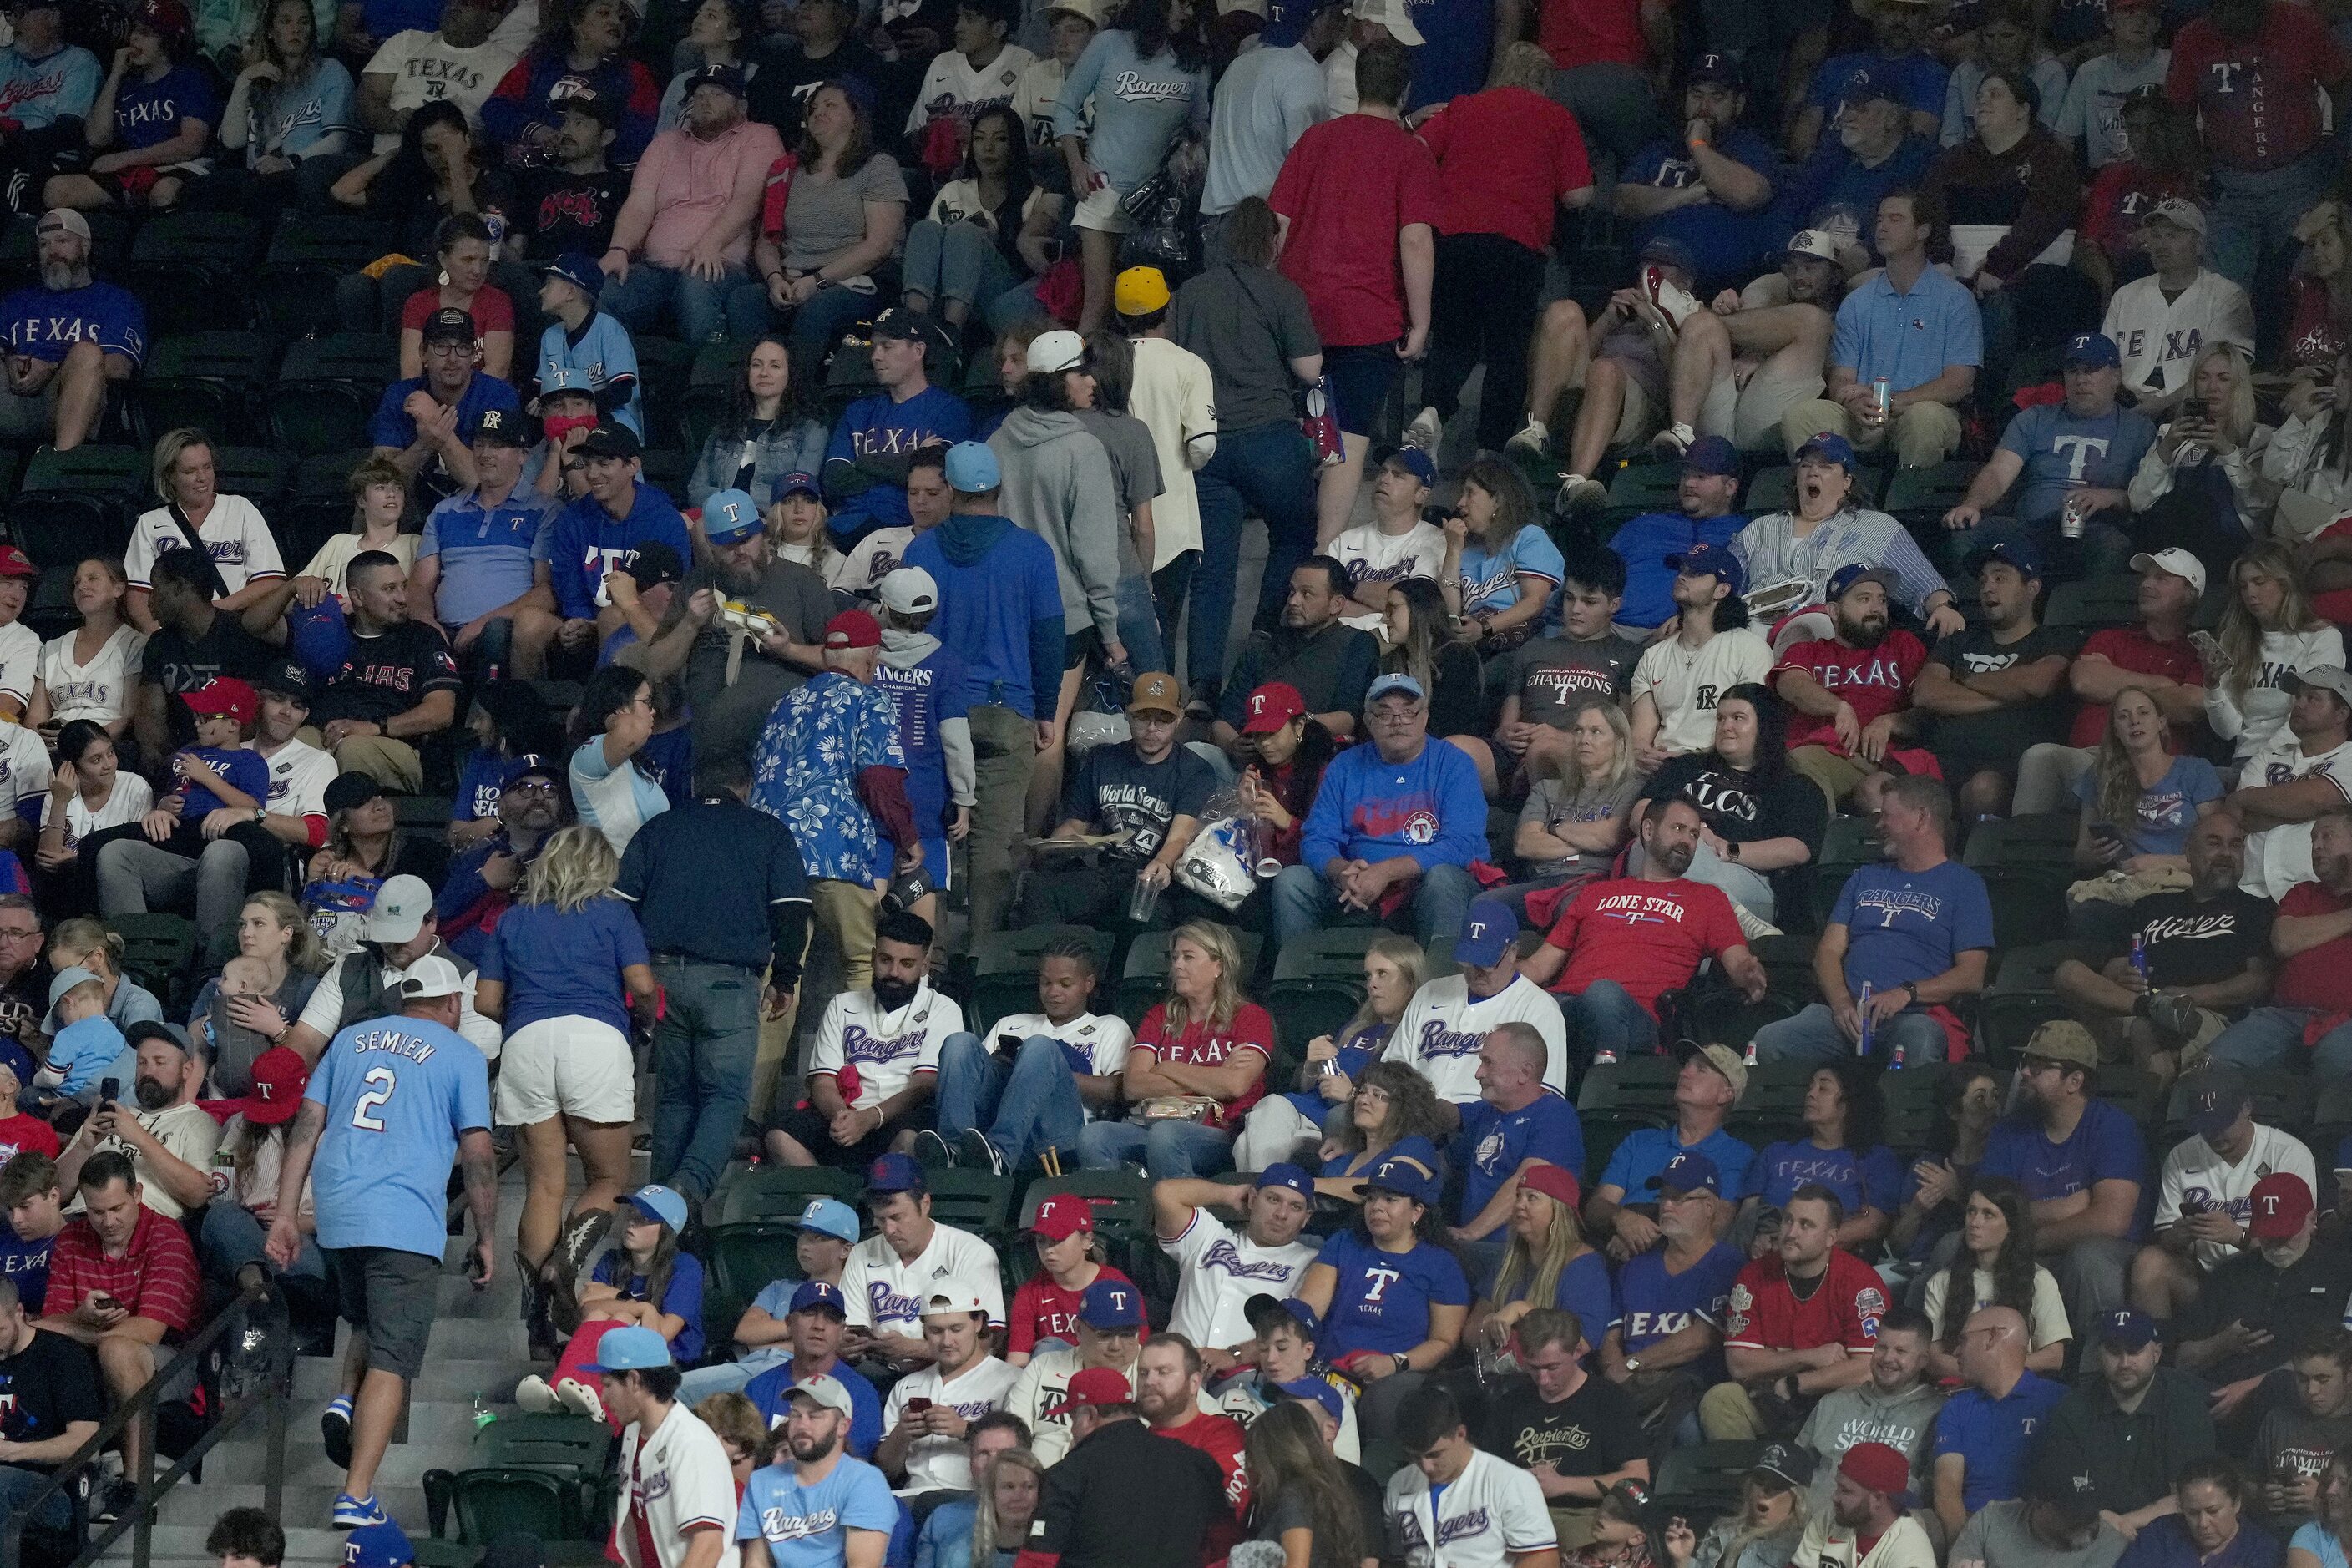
(917, 1404)
(2196, 408)
(108, 1091)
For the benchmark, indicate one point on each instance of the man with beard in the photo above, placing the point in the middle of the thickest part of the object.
(1896, 1409)
(1916, 928)
(1997, 688)
(1801, 1324)
(1741, 364)
(170, 1141)
(482, 879)
(1703, 515)
(1866, 1524)
(876, 1060)
(1850, 693)
(1168, 1372)
(1327, 661)
(2301, 776)
(831, 1510)
(2134, 1425)
(1706, 186)
(1623, 941)
(1836, 190)
(2270, 1300)
(66, 339)
(1899, 60)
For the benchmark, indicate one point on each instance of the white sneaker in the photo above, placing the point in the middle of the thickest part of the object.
(1672, 442)
(579, 1398)
(1673, 302)
(535, 1398)
(1752, 924)
(1424, 430)
(1532, 438)
(1579, 494)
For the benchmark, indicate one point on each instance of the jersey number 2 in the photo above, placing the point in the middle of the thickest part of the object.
(363, 1111)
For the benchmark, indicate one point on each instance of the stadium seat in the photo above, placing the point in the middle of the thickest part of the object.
(294, 289)
(667, 469)
(1712, 1011)
(1617, 1099)
(1913, 1106)
(191, 269)
(573, 1444)
(1918, 495)
(978, 1201)
(782, 1192)
(1773, 1108)
(1145, 978)
(1702, 1480)
(2019, 998)
(2091, 604)
(328, 389)
(1319, 981)
(210, 379)
(263, 475)
(2331, 1123)
(1641, 486)
(1121, 1199)
(664, 368)
(320, 506)
(703, 399)
(75, 504)
(482, 1504)
(1004, 964)
(1849, 844)
(2027, 864)
(1772, 489)
(2139, 1094)
(745, 1259)
(156, 949)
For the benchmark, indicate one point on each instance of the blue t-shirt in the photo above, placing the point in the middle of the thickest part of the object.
(1832, 187)
(1583, 1288)
(44, 323)
(928, 694)
(1493, 1143)
(37, 93)
(2105, 1146)
(398, 1092)
(1457, 41)
(1645, 1153)
(802, 1525)
(481, 779)
(2321, 1543)
(878, 428)
(1994, 1436)
(589, 542)
(1907, 337)
(1383, 1299)
(1360, 1051)
(606, 355)
(1491, 582)
(392, 426)
(1652, 1303)
(2063, 453)
(26, 1264)
(248, 771)
(81, 1052)
(1918, 78)
(560, 965)
(1643, 544)
(1902, 926)
(681, 1298)
(769, 1392)
(149, 112)
(1871, 1179)
(489, 555)
(2165, 811)
(1721, 241)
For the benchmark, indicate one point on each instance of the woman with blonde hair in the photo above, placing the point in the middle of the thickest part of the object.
(2200, 487)
(2140, 802)
(1762, 1532)
(566, 1074)
(2269, 629)
(247, 567)
(260, 992)
(1286, 1126)
(89, 672)
(1580, 804)
(86, 944)
(1006, 1507)
(1546, 1261)
(1197, 1067)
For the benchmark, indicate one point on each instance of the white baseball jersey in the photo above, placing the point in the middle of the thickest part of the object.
(99, 690)
(2279, 857)
(1245, 1399)
(298, 777)
(1376, 562)
(24, 766)
(888, 1049)
(1092, 1043)
(886, 1293)
(2195, 1179)
(1684, 682)
(1492, 1510)
(1045, 1382)
(2160, 339)
(944, 1464)
(681, 1481)
(1443, 1026)
(20, 665)
(953, 87)
(234, 535)
(1221, 1272)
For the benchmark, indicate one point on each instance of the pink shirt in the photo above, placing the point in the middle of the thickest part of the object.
(691, 181)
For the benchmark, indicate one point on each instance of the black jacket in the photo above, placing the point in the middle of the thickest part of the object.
(1125, 1496)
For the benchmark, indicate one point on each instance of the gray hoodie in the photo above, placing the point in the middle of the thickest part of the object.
(905, 651)
(1057, 485)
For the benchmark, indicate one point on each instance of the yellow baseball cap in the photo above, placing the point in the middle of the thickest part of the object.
(1139, 291)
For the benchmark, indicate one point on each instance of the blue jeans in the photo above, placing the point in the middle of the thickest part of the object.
(818, 325)
(2254, 215)
(17, 1486)
(2273, 1037)
(1605, 1017)
(703, 1051)
(730, 307)
(232, 1237)
(1024, 1108)
(1303, 901)
(956, 261)
(1269, 473)
(1168, 1150)
(1139, 615)
(1813, 1036)
(722, 1377)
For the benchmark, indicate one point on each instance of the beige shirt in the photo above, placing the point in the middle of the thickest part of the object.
(1177, 402)
(186, 1132)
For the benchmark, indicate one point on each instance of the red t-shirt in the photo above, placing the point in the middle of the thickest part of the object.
(1043, 1309)
(2336, 605)
(2129, 648)
(1843, 1309)
(1593, 31)
(1515, 153)
(1646, 936)
(1222, 1438)
(154, 1277)
(2257, 98)
(2319, 977)
(492, 310)
(1348, 187)
(2121, 195)
(1872, 681)
(1251, 1030)
(20, 1133)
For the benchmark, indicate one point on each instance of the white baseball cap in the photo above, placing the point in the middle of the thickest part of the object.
(1811, 242)
(1058, 350)
(825, 1390)
(429, 977)
(2177, 562)
(1391, 14)
(399, 912)
(954, 1299)
(908, 591)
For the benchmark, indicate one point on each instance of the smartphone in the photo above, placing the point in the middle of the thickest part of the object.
(2195, 408)
(105, 1301)
(917, 1405)
(108, 1090)
(1008, 1045)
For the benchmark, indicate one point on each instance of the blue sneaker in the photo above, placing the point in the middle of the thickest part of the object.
(352, 1513)
(335, 1427)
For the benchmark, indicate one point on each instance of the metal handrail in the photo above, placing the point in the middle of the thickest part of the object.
(273, 1395)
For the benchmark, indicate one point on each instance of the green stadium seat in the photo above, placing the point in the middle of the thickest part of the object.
(1319, 981)
(1711, 1012)
(156, 948)
(2020, 998)
(1925, 495)
(2091, 604)
(2331, 1122)
(1144, 981)
(710, 381)
(664, 366)
(745, 1259)
(1617, 1099)
(978, 1201)
(1772, 489)
(667, 469)
(1004, 965)
(75, 504)
(481, 1504)
(191, 269)
(575, 1444)
(210, 379)
(782, 1192)
(263, 475)
(2027, 863)
(320, 506)
(1849, 844)
(328, 389)
(2140, 1095)
(1702, 1480)
(1639, 486)
(1913, 1106)
(1773, 1108)
(294, 289)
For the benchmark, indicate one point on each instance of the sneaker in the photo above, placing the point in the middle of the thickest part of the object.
(1532, 440)
(1673, 302)
(579, 1398)
(974, 1150)
(357, 1513)
(1579, 496)
(1672, 442)
(1752, 925)
(113, 1500)
(1424, 430)
(1200, 707)
(933, 1152)
(535, 1397)
(335, 1427)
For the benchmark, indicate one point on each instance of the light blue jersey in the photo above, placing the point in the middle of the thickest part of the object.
(36, 94)
(807, 1527)
(606, 355)
(398, 1092)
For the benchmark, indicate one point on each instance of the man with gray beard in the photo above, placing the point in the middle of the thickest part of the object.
(65, 339)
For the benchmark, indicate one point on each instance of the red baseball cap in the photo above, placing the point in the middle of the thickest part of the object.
(1063, 1216)
(15, 563)
(1555, 1181)
(853, 628)
(1096, 1385)
(279, 1076)
(165, 18)
(2282, 1202)
(225, 694)
(1874, 1467)
(1271, 707)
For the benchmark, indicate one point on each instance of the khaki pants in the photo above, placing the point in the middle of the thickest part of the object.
(1836, 772)
(1727, 1414)
(1004, 754)
(1924, 433)
(844, 922)
(391, 764)
(773, 1058)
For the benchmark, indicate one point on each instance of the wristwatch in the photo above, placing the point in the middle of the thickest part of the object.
(1403, 1362)
(1731, 850)
(1633, 1363)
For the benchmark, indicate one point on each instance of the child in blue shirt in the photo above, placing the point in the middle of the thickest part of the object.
(650, 1263)
(88, 1042)
(580, 337)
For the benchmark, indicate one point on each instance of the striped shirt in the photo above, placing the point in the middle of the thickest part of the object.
(154, 1277)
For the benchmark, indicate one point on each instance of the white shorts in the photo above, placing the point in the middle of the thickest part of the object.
(580, 1067)
(1101, 211)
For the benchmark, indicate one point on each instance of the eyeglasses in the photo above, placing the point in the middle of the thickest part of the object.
(11, 934)
(539, 787)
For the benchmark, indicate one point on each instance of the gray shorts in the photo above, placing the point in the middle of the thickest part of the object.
(391, 1297)
(33, 418)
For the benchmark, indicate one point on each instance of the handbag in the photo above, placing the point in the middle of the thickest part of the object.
(1318, 402)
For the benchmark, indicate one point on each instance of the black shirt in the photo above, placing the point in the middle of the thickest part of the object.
(2132, 1460)
(179, 663)
(1333, 668)
(780, 91)
(46, 1387)
(1738, 807)
(720, 882)
(1116, 791)
(2290, 1447)
(1554, 677)
(386, 675)
(1592, 1432)
(2002, 736)
(2293, 1303)
(1125, 1496)
(559, 211)
(2191, 943)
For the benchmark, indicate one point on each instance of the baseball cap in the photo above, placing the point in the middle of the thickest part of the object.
(401, 904)
(1413, 461)
(1062, 1216)
(2095, 349)
(1718, 69)
(562, 378)
(655, 564)
(657, 1201)
(2178, 211)
(1669, 251)
(1830, 447)
(971, 469)
(2017, 553)
(279, 1076)
(285, 678)
(1084, 10)
(727, 77)
(951, 1299)
(532, 764)
(1711, 455)
(2063, 1040)
(19, 1060)
(729, 517)
(354, 789)
(1139, 291)
(167, 18)
(1289, 1177)
(1391, 685)
(579, 270)
(800, 481)
(830, 1216)
(2176, 561)
(1687, 1172)
(1393, 15)
(1876, 1466)
(2327, 677)
(894, 1173)
(817, 1295)
(1868, 87)
(2282, 1202)
(1854, 571)
(1092, 1385)
(1264, 1310)
(1787, 1462)
(612, 439)
(600, 106)
(448, 325)
(66, 979)
(1058, 350)
(500, 428)
(908, 591)
(225, 694)
(1722, 1058)
(2217, 1093)
(63, 218)
(2061, 1487)
(384, 1545)
(1271, 707)
(1156, 693)
(1489, 929)
(852, 629)
(1316, 1391)
(430, 978)
(823, 1389)
(900, 325)
(1811, 242)
(2131, 1331)
(1705, 560)
(15, 563)
(1556, 1183)
(1111, 1304)
(1407, 1178)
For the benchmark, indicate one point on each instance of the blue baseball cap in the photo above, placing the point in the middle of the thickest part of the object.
(655, 1202)
(1293, 1178)
(1669, 251)
(1705, 560)
(831, 1218)
(1830, 447)
(18, 1060)
(2132, 1331)
(1413, 461)
(66, 980)
(1111, 1304)
(1489, 929)
(631, 1348)
(894, 1173)
(1711, 455)
(814, 1295)
(1404, 1177)
(1687, 1172)
(384, 1545)
(1857, 571)
(729, 517)
(1390, 684)
(580, 270)
(800, 481)
(1313, 1390)
(1265, 1310)
(2016, 553)
(555, 378)
(972, 468)
(2095, 349)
